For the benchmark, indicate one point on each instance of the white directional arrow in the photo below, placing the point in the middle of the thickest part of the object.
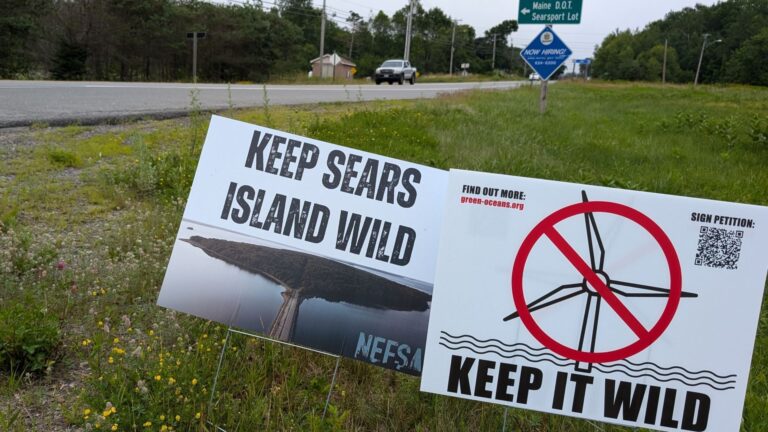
(525, 11)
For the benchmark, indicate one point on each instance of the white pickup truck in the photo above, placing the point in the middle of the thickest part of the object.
(397, 71)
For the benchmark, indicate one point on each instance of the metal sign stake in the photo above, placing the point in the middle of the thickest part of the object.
(333, 382)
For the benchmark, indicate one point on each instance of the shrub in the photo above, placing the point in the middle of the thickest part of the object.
(29, 338)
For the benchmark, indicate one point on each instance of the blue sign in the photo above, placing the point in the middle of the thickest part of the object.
(546, 53)
(585, 61)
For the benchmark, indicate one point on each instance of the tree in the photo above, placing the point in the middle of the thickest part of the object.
(19, 27)
(69, 63)
(749, 64)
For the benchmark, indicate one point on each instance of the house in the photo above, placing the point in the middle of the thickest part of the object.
(332, 66)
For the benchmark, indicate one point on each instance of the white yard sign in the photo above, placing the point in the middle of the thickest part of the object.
(625, 307)
(311, 243)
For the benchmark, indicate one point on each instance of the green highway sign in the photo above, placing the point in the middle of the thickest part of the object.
(549, 12)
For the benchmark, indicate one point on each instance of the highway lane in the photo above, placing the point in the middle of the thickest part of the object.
(61, 102)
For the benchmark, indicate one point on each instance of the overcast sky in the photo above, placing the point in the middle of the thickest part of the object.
(599, 17)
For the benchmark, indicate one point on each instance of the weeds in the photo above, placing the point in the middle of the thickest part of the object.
(91, 248)
(265, 103)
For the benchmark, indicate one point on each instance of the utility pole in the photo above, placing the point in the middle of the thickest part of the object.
(194, 57)
(322, 39)
(195, 36)
(408, 31)
(351, 44)
(453, 39)
(493, 58)
(701, 56)
(664, 68)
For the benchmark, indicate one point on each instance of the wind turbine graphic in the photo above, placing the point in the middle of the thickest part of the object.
(589, 324)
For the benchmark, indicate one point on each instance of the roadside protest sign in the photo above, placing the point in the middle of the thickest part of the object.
(319, 245)
(626, 307)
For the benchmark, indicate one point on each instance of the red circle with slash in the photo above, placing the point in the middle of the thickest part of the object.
(547, 228)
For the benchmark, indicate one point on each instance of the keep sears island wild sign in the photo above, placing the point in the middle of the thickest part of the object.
(311, 243)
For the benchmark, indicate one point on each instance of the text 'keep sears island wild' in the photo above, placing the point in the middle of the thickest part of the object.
(349, 173)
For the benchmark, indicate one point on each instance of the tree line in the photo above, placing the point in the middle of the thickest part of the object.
(736, 49)
(146, 40)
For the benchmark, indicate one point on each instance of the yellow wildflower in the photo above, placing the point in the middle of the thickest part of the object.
(197, 416)
(114, 426)
(116, 340)
(171, 381)
(147, 424)
(87, 411)
(162, 417)
(194, 381)
(158, 377)
(178, 418)
(110, 360)
(164, 428)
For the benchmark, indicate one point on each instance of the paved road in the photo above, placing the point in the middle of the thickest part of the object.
(58, 102)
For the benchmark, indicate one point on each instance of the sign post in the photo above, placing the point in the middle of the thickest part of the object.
(195, 36)
(549, 12)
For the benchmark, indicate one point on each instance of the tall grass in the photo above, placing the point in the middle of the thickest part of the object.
(93, 243)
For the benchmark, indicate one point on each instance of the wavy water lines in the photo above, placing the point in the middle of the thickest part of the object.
(625, 367)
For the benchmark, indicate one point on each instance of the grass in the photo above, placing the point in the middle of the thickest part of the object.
(88, 217)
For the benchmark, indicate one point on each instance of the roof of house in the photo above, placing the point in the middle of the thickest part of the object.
(327, 59)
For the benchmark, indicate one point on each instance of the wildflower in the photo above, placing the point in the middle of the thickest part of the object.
(114, 426)
(178, 418)
(110, 360)
(194, 381)
(164, 428)
(197, 416)
(61, 265)
(162, 417)
(86, 411)
(147, 424)
(151, 332)
(116, 341)
(171, 381)
(158, 377)
(118, 350)
(142, 386)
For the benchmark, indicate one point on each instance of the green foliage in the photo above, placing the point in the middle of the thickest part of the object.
(400, 133)
(29, 337)
(69, 63)
(758, 130)
(63, 158)
(167, 173)
(246, 40)
(749, 64)
(21, 254)
(20, 24)
(670, 139)
(740, 56)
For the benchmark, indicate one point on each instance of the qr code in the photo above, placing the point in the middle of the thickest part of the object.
(719, 248)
